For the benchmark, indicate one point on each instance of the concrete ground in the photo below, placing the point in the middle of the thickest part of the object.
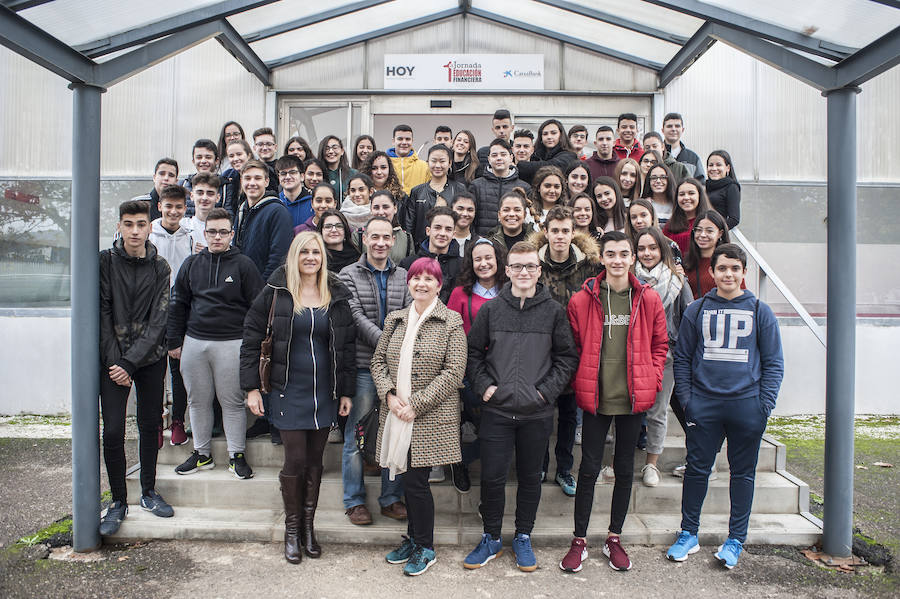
(35, 478)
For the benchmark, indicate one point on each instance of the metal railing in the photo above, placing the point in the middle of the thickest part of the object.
(767, 274)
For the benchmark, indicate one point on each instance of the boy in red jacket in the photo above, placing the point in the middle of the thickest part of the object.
(619, 326)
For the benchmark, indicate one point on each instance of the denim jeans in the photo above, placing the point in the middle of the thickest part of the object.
(352, 461)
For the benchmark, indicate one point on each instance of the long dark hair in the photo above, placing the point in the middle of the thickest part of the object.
(222, 146)
(665, 247)
(618, 209)
(539, 149)
(647, 205)
(343, 165)
(467, 277)
(727, 158)
(303, 144)
(468, 174)
(576, 165)
(635, 191)
(356, 163)
(348, 234)
(678, 222)
(537, 204)
(393, 181)
(670, 183)
(692, 260)
(595, 210)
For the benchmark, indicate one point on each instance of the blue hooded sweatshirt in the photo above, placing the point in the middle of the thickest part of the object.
(722, 354)
(300, 209)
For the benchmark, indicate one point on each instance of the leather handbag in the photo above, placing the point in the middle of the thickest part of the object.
(366, 433)
(265, 351)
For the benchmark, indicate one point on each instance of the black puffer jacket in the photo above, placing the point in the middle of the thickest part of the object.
(523, 351)
(488, 189)
(542, 156)
(423, 198)
(341, 340)
(134, 304)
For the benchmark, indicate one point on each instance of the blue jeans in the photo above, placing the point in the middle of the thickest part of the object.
(352, 461)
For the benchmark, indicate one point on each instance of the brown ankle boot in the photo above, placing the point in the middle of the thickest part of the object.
(311, 500)
(290, 489)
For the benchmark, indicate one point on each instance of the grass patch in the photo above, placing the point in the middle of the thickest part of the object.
(35, 419)
(60, 529)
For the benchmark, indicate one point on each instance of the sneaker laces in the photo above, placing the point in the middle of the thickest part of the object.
(417, 556)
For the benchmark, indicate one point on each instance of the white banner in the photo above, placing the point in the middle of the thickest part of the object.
(463, 71)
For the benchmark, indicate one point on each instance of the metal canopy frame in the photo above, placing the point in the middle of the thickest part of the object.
(774, 45)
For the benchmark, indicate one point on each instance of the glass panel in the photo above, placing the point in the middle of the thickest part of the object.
(315, 122)
(277, 13)
(647, 14)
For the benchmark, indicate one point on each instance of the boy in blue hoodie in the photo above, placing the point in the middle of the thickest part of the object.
(728, 368)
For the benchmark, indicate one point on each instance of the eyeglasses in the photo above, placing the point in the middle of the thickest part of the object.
(333, 227)
(658, 177)
(529, 268)
(235, 135)
(265, 144)
(291, 173)
(333, 148)
(649, 161)
(707, 232)
(218, 233)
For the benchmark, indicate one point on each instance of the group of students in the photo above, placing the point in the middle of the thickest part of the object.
(336, 290)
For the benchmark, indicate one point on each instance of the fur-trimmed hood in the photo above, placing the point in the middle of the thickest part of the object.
(584, 246)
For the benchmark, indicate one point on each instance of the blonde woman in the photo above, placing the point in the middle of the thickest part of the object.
(313, 375)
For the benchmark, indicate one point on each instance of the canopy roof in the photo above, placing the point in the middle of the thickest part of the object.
(827, 43)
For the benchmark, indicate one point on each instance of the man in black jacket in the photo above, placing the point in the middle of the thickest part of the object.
(673, 129)
(521, 356)
(212, 293)
(165, 173)
(134, 299)
(441, 246)
(502, 128)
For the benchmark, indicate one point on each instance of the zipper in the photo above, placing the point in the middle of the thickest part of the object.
(635, 310)
(312, 351)
(287, 370)
(599, 354)
(333, 359)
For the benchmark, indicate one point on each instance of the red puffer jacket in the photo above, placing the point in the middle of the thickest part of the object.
(648, 344)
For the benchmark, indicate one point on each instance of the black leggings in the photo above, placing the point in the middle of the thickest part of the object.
(179, 393)
(302, 449)
(419, 506)
(593, 441)
(149, 382)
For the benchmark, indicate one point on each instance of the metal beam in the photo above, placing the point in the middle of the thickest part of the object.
(881, 55)
(439, 16)
(891, 3)
(616, 20)
(809, 71)
(243, 53)
(24, 38)
(173, 24)
(17, 5)
(763, 29)
(693, 49)
(312, 20)
(567, 39)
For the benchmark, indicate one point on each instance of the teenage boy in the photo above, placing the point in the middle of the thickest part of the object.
(728, 368)
(409, 168)
(523, 145)
(620, 333)
(313, 174)
(205, 194)
(265, 148)
(578, 139)
(213, 291)
(205, 157)
(521, 356)
(443, 135)
(604, 160)
(627, 145)
(290, 169)
(568, 259)
(673, 129)
(654, 141)
(134, 300)
(173, 239)
(164, 173)
(463, 204)
(440, 245)
(502, 128)
(265, 228)
(377, 287)
(499, 178)
(437, 191)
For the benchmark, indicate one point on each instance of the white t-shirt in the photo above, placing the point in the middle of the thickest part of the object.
(198, 227)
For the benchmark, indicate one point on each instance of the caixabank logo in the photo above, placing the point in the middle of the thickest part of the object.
(464, 72)
(516, 73)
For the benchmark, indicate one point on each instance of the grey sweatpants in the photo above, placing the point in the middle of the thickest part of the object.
(657, 416)
(210, 369)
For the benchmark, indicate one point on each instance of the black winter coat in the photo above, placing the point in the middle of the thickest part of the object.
(134, 303)
(341, 341)
(488, 189)
(725, 197)
(423, 198)
(451, 263)
(555, 156)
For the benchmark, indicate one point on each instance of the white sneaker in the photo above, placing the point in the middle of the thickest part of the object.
(678, 472)
(650, 474)
(608, 474)
(577, 435)
(437, 474)
(713, 474)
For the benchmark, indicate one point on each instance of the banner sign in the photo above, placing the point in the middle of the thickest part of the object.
(463, 71)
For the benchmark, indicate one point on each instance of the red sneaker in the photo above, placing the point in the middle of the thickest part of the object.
(179, 437)
(573, 560)
(618, 559)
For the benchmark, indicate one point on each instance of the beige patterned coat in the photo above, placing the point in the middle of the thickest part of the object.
(439, 363)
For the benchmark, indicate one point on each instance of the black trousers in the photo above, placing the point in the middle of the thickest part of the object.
(149, 382)
(419, 506)
(303, 449)
(678, 411)
(499, 437)
(567, 420)
(593, 440)
(179, 393)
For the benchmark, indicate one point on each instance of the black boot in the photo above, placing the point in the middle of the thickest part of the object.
(290, 489)
(311, 500)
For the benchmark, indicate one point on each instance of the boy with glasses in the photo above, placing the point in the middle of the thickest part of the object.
(264, 146)
(289, 169)
(521, 356)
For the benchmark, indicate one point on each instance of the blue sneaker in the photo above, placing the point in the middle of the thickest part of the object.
(567, 482)
(154, 503)
(420, 560)
(401, 554)
(525, 559)
(486, 550)
(685, 544)
(729, 552)
(110, 523)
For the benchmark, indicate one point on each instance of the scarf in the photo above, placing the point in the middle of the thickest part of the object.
(397, 434)
(356, 215)
(661, 278)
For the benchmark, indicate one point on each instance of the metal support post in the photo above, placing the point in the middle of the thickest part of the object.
(837, 538)
(85, 345)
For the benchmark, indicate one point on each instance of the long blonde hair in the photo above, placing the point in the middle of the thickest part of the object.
(292, 269)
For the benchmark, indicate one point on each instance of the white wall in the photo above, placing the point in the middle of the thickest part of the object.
(35, 367)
